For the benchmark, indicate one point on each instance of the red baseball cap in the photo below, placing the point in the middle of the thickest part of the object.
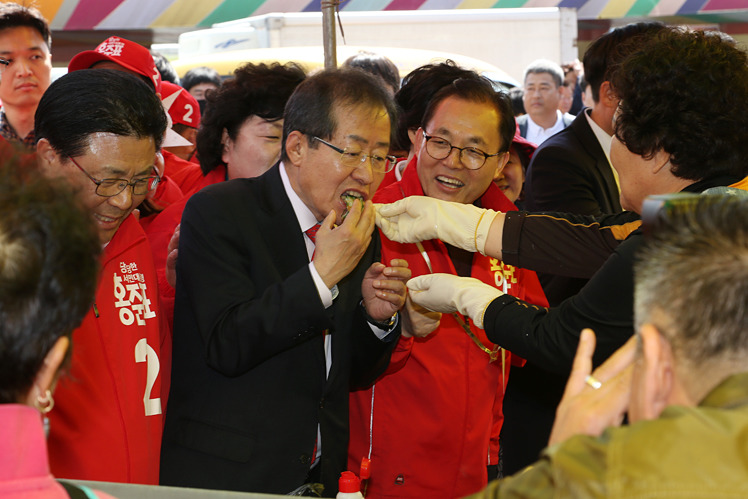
(523, 144)
(181, 106)
(129, 55)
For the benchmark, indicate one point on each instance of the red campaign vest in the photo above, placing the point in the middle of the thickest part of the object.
(439, 404)
(107, 421)
(190, 178)
(160, 230)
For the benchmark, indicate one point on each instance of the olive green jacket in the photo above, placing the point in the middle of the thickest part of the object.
(688, 452)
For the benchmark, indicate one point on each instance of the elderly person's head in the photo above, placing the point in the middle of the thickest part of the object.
(336, 135)
(243, 124)
(48, 269)
(100, 130)
(690, 304)
(683, 100)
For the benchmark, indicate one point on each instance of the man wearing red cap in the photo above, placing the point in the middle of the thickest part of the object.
(124, 55)
(24, 44)
(184, 112)
(121, 55)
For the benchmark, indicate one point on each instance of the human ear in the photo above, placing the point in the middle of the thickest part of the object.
(412, 135)
(503, 160)
(607, 95)
(48, 158)
(47, 374)
(659, 161)
(226, 145)
(297, 146)
(420, 138)
(658, 371)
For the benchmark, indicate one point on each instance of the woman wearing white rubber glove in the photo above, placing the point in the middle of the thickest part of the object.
(421, 218)
(447, 293)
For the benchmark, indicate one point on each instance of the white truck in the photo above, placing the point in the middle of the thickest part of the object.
(506, 38)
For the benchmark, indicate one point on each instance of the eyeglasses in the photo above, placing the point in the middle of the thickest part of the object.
(110, 187)
(353, 159)
(470, 157)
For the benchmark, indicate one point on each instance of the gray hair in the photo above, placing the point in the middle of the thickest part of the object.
(546, 66)
(692, 281)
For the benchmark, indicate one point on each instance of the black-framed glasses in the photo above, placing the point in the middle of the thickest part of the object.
(471, 157)
(110, 187)
(353, 159)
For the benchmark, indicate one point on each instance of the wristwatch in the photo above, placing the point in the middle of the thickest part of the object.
(385, 325)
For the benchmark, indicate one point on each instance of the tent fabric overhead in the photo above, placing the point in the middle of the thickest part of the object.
(143, 14)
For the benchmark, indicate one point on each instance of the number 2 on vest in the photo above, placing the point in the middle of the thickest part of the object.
(144, 353)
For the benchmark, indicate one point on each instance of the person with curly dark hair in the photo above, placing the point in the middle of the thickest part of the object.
(682, 111)
(239, 137)
(240, 132)
(683, 97)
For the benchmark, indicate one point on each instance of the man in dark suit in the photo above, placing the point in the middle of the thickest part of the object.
(570, 172)
(276, 318)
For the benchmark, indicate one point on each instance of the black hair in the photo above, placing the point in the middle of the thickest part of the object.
(165, 69)
(198, 75)
(49, 251)
(516, 95)
(255, 90)
(378, 65)
(88, 101)
(13, 15)
(418, 87)
(610, 48)
(311, 109)
(478, 90)
(685, 93)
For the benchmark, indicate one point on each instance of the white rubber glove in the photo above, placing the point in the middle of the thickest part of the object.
(420, 218)
(447, 293)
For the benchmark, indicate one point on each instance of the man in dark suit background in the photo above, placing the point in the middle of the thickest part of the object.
(266, 342)
(570, 172)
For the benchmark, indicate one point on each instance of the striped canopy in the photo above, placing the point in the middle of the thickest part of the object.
(140, 14)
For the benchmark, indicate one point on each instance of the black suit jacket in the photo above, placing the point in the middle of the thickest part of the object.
(568, 173)
(248, 374)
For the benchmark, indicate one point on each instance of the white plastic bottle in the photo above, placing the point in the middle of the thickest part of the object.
(349, 486)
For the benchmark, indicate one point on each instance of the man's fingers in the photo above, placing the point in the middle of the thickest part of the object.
(582, 365)
(619, 361)
(398, 269)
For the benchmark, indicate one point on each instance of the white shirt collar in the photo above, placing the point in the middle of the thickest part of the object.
(538, 134)
(602, 136)
(303, 214)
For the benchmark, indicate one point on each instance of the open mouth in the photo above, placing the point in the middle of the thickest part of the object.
(451, 183)
(348, 198)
